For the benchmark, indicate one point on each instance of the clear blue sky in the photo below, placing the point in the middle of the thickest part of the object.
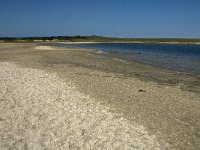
(119, 18)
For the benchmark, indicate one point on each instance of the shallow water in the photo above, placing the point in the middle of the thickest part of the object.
(178, 57)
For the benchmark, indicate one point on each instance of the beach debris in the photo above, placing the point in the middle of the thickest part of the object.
(140, 90)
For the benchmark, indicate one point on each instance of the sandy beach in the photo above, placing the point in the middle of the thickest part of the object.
(64, 98)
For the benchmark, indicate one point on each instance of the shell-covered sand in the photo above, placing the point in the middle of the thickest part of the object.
(39, 111)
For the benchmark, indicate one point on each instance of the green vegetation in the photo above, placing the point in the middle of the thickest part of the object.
(99, 39)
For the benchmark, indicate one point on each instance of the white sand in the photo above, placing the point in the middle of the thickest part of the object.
(52, 48)
(45, 48)
(39, 111)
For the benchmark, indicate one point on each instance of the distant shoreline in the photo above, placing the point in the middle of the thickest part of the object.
(88, 42)
(93, 39)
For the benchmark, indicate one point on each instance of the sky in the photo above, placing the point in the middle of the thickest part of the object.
(113, 18)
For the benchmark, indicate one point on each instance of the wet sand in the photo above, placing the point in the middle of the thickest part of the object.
(165, 103)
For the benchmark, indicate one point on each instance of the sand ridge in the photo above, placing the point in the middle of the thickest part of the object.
(39, 111)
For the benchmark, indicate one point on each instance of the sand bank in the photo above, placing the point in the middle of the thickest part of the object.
(39, 111)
